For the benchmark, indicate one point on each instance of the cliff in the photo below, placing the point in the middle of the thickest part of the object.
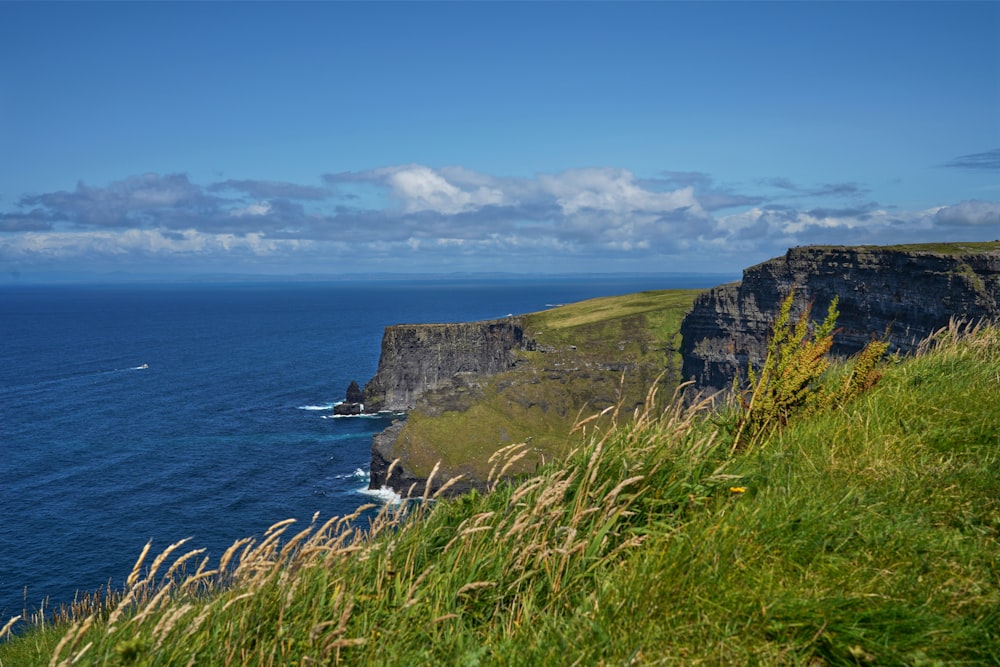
(417, 358)
(435, 368)
(906, 291)
(472, 388)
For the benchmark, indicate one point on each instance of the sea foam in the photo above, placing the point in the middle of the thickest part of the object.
(385, 494)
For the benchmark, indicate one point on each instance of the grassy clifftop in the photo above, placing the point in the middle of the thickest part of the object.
(867, 534)
(587, 356)
(952, 248)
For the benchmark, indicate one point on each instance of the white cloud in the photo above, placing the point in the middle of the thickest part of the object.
(145, 242)
(971, 213)
(258, 208)
(612, 190)
(421, 188)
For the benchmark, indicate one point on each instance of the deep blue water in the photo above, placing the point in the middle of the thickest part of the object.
(228, 430)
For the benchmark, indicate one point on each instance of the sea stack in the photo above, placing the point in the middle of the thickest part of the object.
(353, 403)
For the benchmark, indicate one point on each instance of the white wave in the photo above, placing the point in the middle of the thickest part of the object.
(325, 406)
(359, 473)
(366, 415)
(385, 494)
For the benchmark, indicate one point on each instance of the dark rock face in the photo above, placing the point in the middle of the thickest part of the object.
(417, 358)
(381, 455)
(353, 403)
(909, 294)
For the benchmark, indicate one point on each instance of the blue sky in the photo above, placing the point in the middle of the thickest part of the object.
(285, 138)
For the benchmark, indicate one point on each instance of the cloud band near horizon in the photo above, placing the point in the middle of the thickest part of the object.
(415, 217)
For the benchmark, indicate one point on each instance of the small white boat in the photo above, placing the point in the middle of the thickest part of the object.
(142, 368)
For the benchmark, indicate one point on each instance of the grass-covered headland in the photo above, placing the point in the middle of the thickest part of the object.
(859, 527)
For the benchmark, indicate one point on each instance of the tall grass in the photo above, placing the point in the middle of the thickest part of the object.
(865, 533)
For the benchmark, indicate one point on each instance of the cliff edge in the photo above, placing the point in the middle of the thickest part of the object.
(907, 292)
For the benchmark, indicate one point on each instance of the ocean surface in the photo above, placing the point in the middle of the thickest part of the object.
(138, 413)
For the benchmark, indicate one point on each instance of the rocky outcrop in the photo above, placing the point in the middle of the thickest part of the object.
(418, 358)
(354, 402)
(907, 292)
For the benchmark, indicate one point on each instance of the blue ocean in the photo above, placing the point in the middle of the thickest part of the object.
(136, 413)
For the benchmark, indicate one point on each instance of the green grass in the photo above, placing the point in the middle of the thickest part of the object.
(866, 533)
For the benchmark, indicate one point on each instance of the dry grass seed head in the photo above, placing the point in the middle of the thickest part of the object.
(475, 585)
(292, 552)
(525, 489)
(117, 612)
(610, 496)
(180, 562)
(69, 641)
(392, 466)
(499, 456)
(158, 561)
(10, 624)
(411, 598)
(236, 599)
(430, 480)
(511, 461)
(151, 606)
(137, 568)
(167, 623)
(552, 495)
(228, 554)
(447, 485)
(266, 549)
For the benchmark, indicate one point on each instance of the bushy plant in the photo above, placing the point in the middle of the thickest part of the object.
(790, 381)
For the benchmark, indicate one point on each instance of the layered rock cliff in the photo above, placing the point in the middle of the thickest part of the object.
(417, 358)
(907, 292)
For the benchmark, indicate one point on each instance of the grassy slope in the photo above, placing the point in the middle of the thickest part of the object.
(578, 368)
(869, 534)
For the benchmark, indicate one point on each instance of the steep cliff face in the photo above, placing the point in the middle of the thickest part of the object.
(417, 358)
(907, 291)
